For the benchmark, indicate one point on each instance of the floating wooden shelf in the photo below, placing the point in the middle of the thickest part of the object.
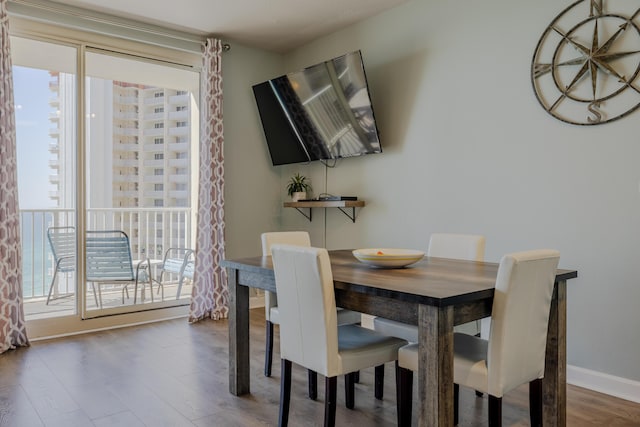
(340, 204)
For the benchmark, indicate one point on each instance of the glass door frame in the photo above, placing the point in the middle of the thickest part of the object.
(139, 229)
(78, 323)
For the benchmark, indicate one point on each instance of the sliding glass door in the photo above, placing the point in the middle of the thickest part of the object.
(138, 140)
(141, 126)
(45, 89)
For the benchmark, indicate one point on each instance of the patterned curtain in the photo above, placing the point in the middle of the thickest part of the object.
(210, 295)
(13, 331)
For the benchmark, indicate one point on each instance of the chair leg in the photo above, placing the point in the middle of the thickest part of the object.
(99, 294)
(95, 295)
(331, 397)
(150, 287)
(179, 287)
(285, 392)
(535, 403)
(53, 281)
(160, 287)
(350, 390)
(356, 377)
(478, 328)
(379, 382)
(456, 404)
(268, 353)
(404, 396)
(313, 384)
(495, 411)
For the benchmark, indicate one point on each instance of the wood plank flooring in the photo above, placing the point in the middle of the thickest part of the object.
(175, 374)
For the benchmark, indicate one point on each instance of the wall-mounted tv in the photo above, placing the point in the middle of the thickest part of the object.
(322, 112)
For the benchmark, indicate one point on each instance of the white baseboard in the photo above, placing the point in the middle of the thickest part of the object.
(604, 383)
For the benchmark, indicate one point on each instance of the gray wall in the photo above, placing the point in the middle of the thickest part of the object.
(252, 193)
(467, 148)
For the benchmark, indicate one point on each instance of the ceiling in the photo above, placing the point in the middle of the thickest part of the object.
(274, 25)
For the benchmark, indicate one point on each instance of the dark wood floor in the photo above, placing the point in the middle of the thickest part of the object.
(175, 374)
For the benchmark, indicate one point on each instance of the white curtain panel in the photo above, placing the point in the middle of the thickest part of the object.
(210, 295)
(13, 331)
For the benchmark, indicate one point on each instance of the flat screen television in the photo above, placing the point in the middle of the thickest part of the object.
(322, 112)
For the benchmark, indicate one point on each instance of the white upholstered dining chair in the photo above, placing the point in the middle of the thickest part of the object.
(515, 352)
(309, 332)
(441, 245)
(272, 312)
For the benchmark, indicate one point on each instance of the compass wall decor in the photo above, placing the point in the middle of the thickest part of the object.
(586, 66)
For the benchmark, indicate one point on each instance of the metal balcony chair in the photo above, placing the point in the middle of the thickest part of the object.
(109, 262)
(179, 262)
(63, 247)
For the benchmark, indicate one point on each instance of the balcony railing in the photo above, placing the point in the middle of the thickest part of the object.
(179, 99)
(151, 232)
(182, 130)
(153, 131)
(177, 115)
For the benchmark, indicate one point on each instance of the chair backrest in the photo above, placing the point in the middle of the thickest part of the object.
(189, 265)
(297, 238)
(108, 256)
(179, 261)
(308, 317)
(63, 247)
(520, 318)
(457, 246)
(173, 265)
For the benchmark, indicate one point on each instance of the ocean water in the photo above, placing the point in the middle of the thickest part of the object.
(37, 261)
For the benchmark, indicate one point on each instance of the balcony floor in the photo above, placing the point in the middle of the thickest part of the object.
(36, 308)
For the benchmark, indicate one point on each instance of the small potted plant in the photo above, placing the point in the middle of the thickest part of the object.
(297, 187)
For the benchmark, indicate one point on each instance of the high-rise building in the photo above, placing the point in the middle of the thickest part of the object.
(62, 133)
(138, 153)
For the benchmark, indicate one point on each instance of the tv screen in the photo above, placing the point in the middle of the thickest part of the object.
(322, 112)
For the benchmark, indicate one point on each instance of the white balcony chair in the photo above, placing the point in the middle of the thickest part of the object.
(63, 247)
(179, 262)
(272, 313)
(109, 263)
(515, 352)
(441, 245)
(309, 332)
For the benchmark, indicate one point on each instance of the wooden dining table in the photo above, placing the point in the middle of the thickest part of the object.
(435, 294)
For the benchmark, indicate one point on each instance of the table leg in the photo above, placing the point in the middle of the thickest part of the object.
(435, 366)
(238, 335)
(554, 383)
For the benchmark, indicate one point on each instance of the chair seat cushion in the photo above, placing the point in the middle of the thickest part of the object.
(470, 361)
(396, 329)
(360, 348)
(274, 315)
(410, 332)
(348, 317)
(345, 317)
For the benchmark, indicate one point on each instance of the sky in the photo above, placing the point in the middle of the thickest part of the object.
(31, 97)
